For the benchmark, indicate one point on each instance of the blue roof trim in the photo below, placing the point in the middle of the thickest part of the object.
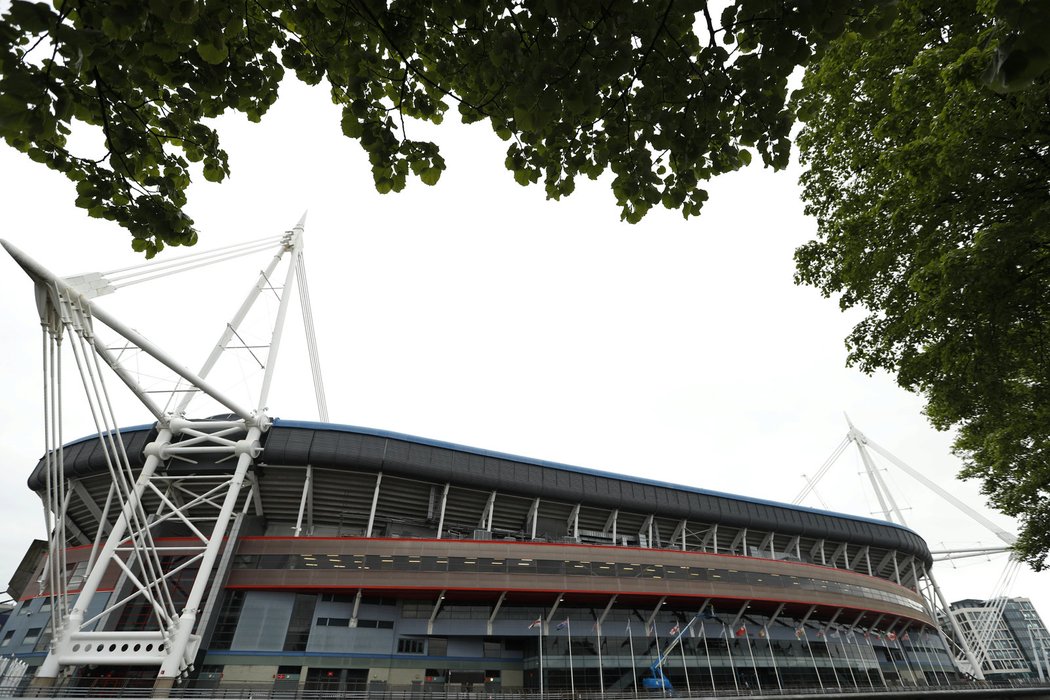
(315, 425)
(122, 431)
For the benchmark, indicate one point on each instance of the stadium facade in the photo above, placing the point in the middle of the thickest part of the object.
(363, 559)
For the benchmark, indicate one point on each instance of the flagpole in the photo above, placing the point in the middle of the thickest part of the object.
(685, 668)
(659, 665)
(541, 660)
(809, 647)
(707, 653)
(572, 675)
(849, 664)
(634, 664)
(849, 661)
(732, 666)
(823, 634)
(772, 658)
(878, 664)
(598, 638)
(904, 655)
(889, 652)
(929, 660)
(860, 656)
(751, 653)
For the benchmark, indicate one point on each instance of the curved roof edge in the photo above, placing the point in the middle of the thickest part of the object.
(376, 432)
(300, 442)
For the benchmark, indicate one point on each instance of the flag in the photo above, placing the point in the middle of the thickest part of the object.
(762, 632)
(742, 631)
(674, 630)
(905, 637)
(563, 624)
(800, 632)
(835, 633)
(867, 635)
(892, 636)
(820, 634)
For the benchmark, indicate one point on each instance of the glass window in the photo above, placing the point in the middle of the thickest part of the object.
(410, 645)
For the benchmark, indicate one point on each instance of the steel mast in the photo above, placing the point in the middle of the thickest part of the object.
(81, 632)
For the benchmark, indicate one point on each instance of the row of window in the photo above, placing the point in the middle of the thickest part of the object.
(560, 567)
(361, 624)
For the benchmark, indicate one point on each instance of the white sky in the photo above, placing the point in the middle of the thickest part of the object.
(476, 312)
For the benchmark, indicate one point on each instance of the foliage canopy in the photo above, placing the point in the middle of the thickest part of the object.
(663, 95)
(925, 140)
(932, 196)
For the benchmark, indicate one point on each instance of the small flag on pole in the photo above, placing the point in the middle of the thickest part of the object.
(905, 637)
(762, 633)
(742, 631)
(536, 623)
(563, 624)
(800, 633)
(892, 636)
(674, 630)
(820, 634)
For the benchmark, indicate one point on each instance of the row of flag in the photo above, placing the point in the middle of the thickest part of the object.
(742, 631)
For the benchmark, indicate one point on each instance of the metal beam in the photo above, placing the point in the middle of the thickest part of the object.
(495, 611)
(306, 496)
(375, 502)
(574, 522)
(534, 514)
(441, 518)
(610, 524)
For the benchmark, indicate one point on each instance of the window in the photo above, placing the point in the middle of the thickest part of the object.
(375, 624)
(6, 641)
(300, 622)
(407, 645)
(44, 643)
(222, 638)
(333, 622)
(32, 635)
(437, 646)
(76, 575)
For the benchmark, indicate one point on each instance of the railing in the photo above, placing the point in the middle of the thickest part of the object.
(134, 688)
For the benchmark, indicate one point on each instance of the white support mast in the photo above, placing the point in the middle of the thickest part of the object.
(128, 548)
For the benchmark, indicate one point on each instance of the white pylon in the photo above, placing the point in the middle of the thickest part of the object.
(68, 315)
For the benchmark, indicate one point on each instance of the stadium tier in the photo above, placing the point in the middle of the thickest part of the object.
(363, 559)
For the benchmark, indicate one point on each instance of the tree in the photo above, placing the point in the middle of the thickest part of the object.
(932, 196)
(925, 140)
(654, 92)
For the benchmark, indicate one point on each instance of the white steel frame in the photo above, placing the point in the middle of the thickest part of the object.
(67, 313)
(970, 649)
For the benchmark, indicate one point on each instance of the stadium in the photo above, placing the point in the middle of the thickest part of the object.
(248, 554)
(361, 559)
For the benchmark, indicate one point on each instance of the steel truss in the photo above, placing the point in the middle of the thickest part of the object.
(151, 574)
(969, 648)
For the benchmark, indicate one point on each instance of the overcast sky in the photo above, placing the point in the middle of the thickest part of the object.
(476, 312)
